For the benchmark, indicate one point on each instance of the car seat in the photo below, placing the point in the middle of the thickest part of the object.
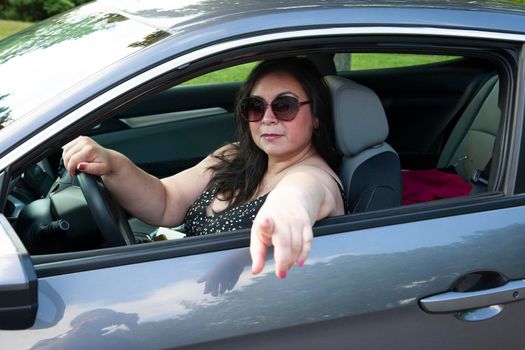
(470, 145)
(370, 168)
(464, 164)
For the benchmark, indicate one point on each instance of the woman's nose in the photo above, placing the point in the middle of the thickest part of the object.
(268, 116)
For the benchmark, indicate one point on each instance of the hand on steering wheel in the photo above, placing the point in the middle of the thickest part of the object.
(108, 214)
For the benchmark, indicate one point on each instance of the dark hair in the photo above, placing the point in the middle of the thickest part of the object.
(237, 177)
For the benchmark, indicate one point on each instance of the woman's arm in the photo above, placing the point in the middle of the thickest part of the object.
(305, 195)
(157, 202)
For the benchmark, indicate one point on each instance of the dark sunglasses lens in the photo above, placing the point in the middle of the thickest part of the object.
(252, 109)
(285, 107)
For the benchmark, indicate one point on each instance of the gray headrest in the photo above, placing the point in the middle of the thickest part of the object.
(359, 118)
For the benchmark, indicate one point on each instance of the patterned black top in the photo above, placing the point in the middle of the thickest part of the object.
(198, 222)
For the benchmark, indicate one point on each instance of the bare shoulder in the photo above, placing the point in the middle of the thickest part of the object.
(318, 168)
(226, 152)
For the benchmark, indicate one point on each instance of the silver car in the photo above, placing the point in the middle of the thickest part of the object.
(428, 104)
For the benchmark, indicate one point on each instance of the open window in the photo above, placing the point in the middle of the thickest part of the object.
(444, 115)
(445, 111)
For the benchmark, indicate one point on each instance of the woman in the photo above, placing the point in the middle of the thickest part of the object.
(279, 174)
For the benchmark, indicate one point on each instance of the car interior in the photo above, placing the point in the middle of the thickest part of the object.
(391, 123)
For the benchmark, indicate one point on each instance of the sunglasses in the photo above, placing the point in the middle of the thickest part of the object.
(284, 108)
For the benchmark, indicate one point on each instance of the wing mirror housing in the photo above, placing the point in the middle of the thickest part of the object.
(18, 281)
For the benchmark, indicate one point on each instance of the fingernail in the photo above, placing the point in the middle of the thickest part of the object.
(81, 166)
(282, 274)
(300, 262)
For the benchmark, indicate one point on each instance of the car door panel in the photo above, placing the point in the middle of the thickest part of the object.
(167, 148)
(174, 129)
(353, 284)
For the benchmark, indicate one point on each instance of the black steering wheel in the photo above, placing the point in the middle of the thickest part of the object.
(108, 214)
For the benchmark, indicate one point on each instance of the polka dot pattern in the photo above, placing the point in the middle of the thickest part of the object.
(198, 222)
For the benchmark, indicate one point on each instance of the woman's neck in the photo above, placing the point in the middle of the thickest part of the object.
(277, 165)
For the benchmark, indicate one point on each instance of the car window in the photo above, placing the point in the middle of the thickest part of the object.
(176, 128)
(345, 62)
(227, 75)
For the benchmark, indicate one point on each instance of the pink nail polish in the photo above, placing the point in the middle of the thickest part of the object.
(282, 274)
(81, 166)
(300, 262)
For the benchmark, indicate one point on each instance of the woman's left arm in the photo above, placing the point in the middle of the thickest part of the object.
(303, 196)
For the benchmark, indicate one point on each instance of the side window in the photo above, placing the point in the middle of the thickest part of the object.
(443, 119)
(227, 75)
(176, 128)
(346, 62)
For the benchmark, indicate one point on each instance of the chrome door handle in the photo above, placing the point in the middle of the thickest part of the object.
(458, 301)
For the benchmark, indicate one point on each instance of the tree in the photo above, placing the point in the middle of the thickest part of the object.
(35, 10)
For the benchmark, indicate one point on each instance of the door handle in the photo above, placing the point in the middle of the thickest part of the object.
(459, 301)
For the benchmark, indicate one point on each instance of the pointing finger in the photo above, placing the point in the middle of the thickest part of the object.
(259, 242)
(307, 245)
(282, 253)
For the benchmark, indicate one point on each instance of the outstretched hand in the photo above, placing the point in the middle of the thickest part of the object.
(288, 231)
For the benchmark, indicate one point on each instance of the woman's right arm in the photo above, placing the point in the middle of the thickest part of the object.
(157, 202)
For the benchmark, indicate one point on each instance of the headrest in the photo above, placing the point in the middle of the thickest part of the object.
(359, 118)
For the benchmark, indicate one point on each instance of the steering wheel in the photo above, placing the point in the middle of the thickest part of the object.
(108, 214)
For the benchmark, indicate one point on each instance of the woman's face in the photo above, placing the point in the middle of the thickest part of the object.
(282, 139)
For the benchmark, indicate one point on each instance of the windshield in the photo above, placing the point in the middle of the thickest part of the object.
(51, 56)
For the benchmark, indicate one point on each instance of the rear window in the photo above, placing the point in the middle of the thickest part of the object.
(345, 62)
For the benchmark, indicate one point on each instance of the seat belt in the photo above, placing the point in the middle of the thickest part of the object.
(482, 176)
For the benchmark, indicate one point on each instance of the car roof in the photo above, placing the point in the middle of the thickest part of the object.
(176, 17)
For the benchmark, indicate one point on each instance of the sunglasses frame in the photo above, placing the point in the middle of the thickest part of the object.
(277, 115)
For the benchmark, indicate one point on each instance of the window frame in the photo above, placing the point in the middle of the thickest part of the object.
(184, 67)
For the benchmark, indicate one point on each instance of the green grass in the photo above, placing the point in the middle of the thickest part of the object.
(363, 61)
(9, 27)
(358, 61)
(237, 73)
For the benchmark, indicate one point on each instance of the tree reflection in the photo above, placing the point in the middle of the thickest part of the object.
(5, 112)
(96, 329)
(340, 286)
(69, 26)
(150, 39)
(343, 286)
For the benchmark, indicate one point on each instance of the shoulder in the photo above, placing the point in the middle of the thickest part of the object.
(228, 151)
(319, 169)
(222, 154)
(318, 175)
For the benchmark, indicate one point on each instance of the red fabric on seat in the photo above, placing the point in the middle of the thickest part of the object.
(428, 185)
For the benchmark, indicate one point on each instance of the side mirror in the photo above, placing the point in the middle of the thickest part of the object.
(18, 281)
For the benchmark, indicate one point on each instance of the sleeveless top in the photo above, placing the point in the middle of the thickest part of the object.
(198, 222)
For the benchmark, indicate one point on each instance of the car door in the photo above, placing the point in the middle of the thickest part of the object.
(363, 287)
